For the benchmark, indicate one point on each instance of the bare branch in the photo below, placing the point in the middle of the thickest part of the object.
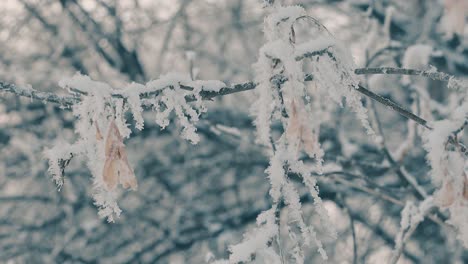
(394, 106)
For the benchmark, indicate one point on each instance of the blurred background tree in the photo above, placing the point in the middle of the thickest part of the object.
(194, 201)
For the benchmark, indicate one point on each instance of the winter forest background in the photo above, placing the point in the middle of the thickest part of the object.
(392, 189)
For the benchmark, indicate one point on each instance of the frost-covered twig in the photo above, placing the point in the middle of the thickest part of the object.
(411, 217)
(392, 105)
(68, 101)
(59, 157)
(34, 94)
(401, 71)
(432, 74)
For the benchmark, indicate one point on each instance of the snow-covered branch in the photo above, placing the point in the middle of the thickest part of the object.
(68, 101)
(432, 74)
(35, 94)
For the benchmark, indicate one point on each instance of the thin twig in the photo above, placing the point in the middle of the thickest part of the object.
(394, 106)
(66, 101)
(399, 169)
(331, 176)
(353, 231)
(406, 235)
(434, 75)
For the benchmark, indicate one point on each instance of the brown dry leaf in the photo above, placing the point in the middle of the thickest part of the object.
(294, 126)
(116, 167)
(308, 140)
(110, 174)
(465, 189)
(446, 195)
(299, 133)
(127, 176)
(98, 133)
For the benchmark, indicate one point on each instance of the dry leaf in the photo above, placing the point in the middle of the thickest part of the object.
(308, 140)
(294, 127)
(465, 188)
(98, 133)
(116, 167)
(298, 132)
(110, 174)
(446, 195)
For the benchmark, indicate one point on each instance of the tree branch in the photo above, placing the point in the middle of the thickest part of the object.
(434, 75)
(392, 105)
(67, 101)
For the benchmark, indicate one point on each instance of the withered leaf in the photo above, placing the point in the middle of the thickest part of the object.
(98, 133)
(446, 195)
(116, 168)
(465, 189)
(299, 132)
